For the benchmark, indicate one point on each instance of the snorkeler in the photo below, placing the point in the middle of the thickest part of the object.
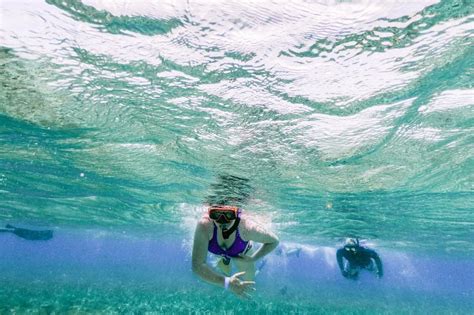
(225, 232)
(358, 257)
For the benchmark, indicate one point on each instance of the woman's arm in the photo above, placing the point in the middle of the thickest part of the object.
(199, 256)
(259, 234)
(202, 269)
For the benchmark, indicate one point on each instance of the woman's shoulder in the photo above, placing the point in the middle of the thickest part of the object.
(246, 226)
(204, 221)
(248, 222)
(205, 224)
(252, 228)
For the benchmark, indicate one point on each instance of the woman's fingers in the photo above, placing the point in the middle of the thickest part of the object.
(241, 288)
(244, 292)
(246, 287)
(247, 283)
(238, 274)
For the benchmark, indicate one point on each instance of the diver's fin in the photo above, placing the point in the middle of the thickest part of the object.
(31, 235)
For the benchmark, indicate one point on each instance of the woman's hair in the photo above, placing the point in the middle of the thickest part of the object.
(229, 190)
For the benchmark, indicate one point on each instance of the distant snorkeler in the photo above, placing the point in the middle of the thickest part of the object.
(27, 234)
(224, 231)
(357, 258)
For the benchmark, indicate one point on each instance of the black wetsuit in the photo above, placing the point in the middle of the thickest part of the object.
(361, 258)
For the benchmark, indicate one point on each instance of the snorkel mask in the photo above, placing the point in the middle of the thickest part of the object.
(351, 244)
(223, 214)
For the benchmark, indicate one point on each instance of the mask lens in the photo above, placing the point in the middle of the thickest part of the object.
(216, 214)
(230, 215)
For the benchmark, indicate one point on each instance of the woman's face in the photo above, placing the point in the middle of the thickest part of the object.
(223, 216)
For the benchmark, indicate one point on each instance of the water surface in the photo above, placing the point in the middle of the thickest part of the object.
(342, 117)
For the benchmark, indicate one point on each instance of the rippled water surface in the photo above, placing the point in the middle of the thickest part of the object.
(338, 118)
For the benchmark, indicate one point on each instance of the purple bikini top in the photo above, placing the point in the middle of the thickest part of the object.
(238, 247)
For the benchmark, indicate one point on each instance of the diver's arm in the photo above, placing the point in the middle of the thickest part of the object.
(199, 264)
(378, 262)
(339, 255)
(259, 234)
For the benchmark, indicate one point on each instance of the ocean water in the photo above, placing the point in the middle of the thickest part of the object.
(119, 120)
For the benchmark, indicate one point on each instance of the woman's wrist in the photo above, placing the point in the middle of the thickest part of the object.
(226, 283)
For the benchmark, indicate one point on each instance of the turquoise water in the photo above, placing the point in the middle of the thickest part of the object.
(119, 119)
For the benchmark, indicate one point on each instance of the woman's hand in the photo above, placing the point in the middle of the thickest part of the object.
(239, 287)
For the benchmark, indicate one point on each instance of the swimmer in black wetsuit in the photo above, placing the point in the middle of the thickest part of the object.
(358, 257)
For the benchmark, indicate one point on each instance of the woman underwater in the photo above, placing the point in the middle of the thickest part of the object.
(226, 232)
